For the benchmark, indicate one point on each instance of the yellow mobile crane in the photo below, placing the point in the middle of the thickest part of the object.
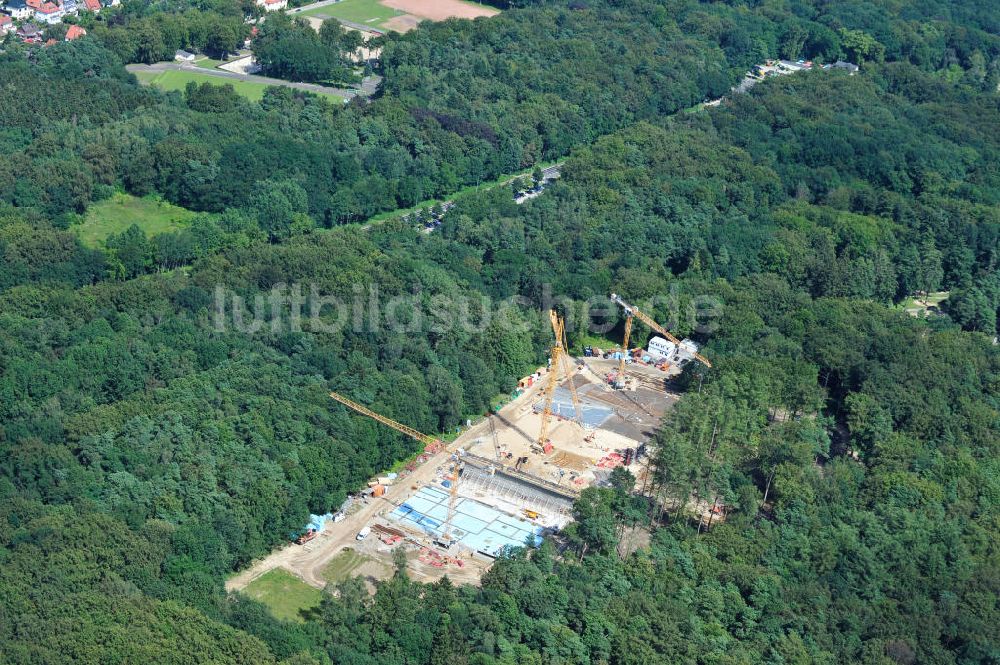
(558, 365)
(630, 312)
(431, 445)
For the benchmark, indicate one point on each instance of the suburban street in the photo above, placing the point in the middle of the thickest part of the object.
(347, 93)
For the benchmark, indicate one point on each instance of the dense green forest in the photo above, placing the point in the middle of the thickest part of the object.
(145, 453)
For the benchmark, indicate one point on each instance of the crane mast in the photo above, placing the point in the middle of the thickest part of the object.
(552, 380)
(559, 365)
(621, 361)
(560, 334)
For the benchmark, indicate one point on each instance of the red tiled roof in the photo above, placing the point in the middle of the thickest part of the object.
(48, 8)
(4, 19)
(92, 5)
(74, 32)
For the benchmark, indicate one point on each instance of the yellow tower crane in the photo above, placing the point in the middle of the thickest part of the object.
(630, 312)
(431, 445)
(558, 366)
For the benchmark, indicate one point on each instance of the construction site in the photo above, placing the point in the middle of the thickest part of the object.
(508, 480)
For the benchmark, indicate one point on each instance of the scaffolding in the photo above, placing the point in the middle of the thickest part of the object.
(488, 481)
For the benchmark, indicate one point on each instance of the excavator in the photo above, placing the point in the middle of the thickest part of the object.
(633, 312)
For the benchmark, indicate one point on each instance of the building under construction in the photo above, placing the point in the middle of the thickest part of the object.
(575, 422)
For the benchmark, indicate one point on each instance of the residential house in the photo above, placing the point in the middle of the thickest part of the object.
(70, 7)
(92, 5)
(29, 32)
(249, 40)
(18, 9)
(49, 13)
(6, 24)
(75, 32)
(272, 5)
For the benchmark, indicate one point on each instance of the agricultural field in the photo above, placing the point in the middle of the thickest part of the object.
(116, 214)
(177, 80)
(284, 594)
(398, 15)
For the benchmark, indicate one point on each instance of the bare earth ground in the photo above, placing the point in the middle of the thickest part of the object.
(439, 10)
(402, 24)
(309, 561)
(336, 553)
(574, 461)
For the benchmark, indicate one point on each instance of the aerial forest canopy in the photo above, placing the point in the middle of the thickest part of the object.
(145, 454)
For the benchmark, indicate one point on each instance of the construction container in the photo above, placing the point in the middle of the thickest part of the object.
(378, 490)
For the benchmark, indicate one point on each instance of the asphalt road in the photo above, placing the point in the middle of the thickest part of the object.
(347, 93)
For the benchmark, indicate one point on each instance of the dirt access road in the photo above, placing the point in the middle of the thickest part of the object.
(308, 562)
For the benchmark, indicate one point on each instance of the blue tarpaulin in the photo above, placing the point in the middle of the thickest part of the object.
(317, 521)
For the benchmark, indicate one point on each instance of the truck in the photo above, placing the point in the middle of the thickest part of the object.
(306, 537)
(364, 533)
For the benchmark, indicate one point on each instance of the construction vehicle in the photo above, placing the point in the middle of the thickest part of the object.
(531, 514)
(630, 313)
(431, 445)
(306, 537)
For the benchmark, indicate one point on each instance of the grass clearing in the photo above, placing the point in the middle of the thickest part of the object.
(284, 594)
(121, 211)
(171, 80)
(598, 341)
